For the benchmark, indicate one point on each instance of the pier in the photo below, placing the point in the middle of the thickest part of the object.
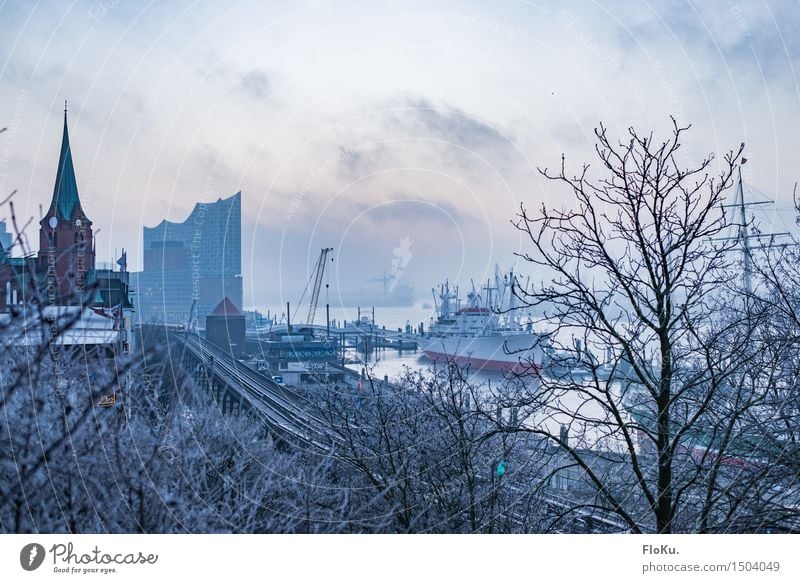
(365, 339)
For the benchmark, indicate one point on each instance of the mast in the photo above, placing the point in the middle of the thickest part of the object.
(744, 236)
(490, 296)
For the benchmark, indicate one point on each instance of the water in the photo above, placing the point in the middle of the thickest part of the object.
(393, 364)
(391, 317)
(390, 363)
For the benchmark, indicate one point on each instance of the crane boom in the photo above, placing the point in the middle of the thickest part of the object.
(192, 317)
(318, 273)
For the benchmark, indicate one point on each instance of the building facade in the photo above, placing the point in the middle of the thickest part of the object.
(6, 239)
(61, 281)
(225, 328)
(63, 271)
(197, 262)
(66, 243)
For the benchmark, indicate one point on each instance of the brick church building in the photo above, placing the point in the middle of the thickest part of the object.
(63, 272)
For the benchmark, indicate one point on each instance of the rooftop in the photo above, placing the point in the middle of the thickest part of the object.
(226, 309)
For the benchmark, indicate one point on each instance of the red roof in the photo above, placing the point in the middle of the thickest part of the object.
(226, 309)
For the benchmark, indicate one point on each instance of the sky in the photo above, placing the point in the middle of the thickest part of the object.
(398, 133)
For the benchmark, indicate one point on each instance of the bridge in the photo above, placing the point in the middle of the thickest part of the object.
(236, 386)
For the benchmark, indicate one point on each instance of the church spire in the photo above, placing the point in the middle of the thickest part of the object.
(65, 193)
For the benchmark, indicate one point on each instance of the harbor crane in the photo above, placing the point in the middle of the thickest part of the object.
(387, 279)
(191, 323)
(316, 278)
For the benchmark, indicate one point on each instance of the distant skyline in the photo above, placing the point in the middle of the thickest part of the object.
(373, 126)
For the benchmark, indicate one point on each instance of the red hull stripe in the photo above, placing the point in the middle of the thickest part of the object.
(482, 364)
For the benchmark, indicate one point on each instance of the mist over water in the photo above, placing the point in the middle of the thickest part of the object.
(391, 318)
(384, 362)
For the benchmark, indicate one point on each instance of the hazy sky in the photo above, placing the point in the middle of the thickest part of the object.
(357, 125)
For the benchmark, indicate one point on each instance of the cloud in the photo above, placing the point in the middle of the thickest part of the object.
(316, 112)
(421, 117)
(359, 161)
(747, 38)
(416, 145)
(257, 84)
(405, 210)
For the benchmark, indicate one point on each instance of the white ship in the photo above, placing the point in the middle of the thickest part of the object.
(486, 333)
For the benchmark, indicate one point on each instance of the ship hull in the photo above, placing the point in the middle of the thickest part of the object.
(515, 353)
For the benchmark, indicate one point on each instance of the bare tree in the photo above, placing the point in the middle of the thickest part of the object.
(654, 360)
(148, 463)
(420, 451)
(775, 426)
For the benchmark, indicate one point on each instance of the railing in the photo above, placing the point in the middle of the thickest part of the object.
(285, 411)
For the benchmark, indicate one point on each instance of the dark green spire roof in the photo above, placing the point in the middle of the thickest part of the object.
(65, 193)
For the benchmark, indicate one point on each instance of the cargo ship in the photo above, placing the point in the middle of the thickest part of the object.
(486, 333)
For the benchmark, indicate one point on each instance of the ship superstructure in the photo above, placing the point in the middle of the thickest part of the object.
(484, 332)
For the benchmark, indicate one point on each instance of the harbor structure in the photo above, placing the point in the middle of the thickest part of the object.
(296, 356)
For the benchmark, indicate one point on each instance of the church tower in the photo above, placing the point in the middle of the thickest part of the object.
(66, 248)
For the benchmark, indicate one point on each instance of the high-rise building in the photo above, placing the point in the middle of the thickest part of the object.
(6, 239)
(194, 262)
